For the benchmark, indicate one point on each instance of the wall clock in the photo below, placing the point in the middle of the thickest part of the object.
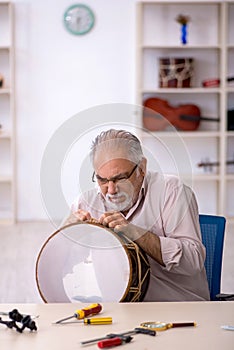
(79, 19)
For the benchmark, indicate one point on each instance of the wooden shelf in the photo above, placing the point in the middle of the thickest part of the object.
(5, 178)
(5, 91)
(183, 134)
(7, 115)
(213, 58)
(198, 90)
(5, 134)
(181, 47)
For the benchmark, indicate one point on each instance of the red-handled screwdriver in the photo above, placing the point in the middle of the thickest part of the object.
(90, 310)
(138, 330)
(108, 343)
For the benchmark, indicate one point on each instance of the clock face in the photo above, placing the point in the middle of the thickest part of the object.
(79, 19)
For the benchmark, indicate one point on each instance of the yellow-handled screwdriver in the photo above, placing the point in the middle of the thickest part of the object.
(92, 321)
(90, 310)
(98, 320)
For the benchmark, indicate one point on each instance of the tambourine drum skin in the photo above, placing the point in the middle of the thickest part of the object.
(87, 262)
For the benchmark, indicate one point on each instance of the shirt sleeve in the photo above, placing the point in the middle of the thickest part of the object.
(181, 245)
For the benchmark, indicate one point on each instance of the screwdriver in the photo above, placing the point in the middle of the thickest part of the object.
(94, 321)
(90, 310)
(109, 343)
(138, 330)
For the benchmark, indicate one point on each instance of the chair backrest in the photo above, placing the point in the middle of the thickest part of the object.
(212, 230)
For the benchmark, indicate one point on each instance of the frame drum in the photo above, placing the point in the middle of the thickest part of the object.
(87, 262)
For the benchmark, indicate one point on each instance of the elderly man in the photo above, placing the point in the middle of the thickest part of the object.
(156, 211)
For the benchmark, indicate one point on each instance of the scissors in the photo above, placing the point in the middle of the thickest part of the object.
(163, 326)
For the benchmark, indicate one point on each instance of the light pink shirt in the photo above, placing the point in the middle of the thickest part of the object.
(168, 209)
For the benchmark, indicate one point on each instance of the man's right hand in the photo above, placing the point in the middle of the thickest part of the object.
(82, 215)
(79, 215)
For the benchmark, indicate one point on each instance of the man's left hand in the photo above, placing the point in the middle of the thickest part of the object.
(114, 220)
(118, 223)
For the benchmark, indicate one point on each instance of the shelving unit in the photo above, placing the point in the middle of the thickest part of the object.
(7, 116)
(211, 45)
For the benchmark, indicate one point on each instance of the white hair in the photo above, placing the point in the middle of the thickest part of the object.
(112, 140)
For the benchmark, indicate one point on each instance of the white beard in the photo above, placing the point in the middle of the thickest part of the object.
(113, 203)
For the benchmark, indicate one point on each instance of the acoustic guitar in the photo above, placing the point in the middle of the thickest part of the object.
(158, 112)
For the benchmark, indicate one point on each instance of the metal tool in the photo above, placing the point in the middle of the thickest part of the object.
(90, 310)
(228, 327)
(91, 321)
(14, 313)
(16, 317)
(162, 326)
(137, 330)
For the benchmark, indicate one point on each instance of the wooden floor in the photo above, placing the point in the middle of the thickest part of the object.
(21, 243)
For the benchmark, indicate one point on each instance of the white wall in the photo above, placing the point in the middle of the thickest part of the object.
(59, 75)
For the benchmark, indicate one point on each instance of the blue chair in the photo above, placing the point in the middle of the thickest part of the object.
(212, 230)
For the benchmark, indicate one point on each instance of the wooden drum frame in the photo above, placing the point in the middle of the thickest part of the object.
(70, 242)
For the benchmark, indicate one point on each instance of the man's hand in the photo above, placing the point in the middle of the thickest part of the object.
(79, 215)
(118, 223)
(82, 215)
(114, 220)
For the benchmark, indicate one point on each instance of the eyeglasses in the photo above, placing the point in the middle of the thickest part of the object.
(115, 179)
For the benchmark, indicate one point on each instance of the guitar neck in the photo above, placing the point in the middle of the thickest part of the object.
(197, 118)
